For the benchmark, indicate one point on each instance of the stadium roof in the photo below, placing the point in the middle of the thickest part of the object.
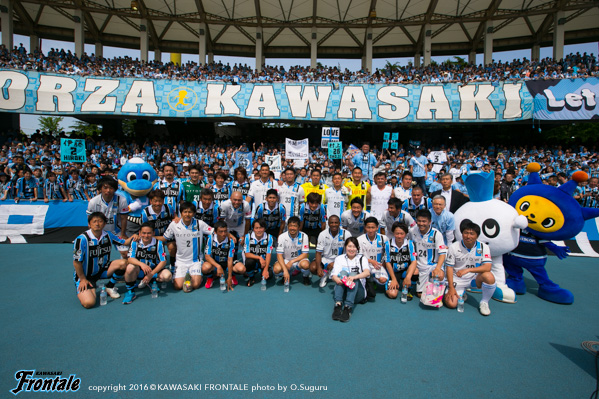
(341, 27)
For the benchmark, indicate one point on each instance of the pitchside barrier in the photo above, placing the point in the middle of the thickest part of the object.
(61, 222)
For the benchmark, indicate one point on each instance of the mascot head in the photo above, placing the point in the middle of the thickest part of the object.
(137, 177)
(552, 212)
(499, 223)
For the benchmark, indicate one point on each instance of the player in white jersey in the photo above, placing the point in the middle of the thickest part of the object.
(336, 197)
(404, 190)
(237, 214)
(259, 187)
(188, 234)
(394, 214)
(112, 205)
(291, 194)
(380, 194)
(353, 219)
(329, 245)
(292, 252)
(372, 245)
(115, 207)
(431, 249)
(467, 260)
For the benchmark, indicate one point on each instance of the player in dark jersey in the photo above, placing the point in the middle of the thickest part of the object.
(91, 260)
(219, 256)
(273, 213)
(401, 254)
(313, 216)
(206, 208)
(147, 262)
(257, 251)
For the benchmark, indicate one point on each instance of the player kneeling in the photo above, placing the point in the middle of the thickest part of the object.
(146, 262)
(292, 252)
(91, 260)
(469, 260)
(220, 256)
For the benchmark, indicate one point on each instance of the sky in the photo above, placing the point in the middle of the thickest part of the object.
(30, 122)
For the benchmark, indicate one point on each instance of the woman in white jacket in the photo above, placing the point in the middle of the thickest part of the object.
(349, 273)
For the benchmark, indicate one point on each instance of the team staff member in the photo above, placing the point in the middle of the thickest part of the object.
(356, 269)
(146, 261)
(358, 188)
(91, 260)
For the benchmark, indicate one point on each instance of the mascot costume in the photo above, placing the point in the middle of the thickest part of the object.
(552, 214)
(136, 179)
(499, 223)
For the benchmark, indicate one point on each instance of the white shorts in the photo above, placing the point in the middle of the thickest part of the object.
(383, 272)
(462, 284)
(181, 269)
(424, 276)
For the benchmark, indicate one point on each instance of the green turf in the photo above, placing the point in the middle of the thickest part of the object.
(387, 350)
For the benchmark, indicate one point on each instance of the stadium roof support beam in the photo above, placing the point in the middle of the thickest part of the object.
(480, 31)
(259, 53)
(7, 23)
(559, 26)
(367, 64)
(202, 43)
(143, 10)
(427, 20)
(313, 47)
(143, 40)
(488, 43)
(79, 32)
(202, 12)
(428, 39)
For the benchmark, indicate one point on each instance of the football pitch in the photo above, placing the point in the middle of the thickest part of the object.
(253, 344)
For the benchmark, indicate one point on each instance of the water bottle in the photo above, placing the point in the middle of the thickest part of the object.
(286, 287)
(187, 283)
(223, 283)
(436, 283)
(103, 296)
(163, 285)
(154, 290)
(461, 304)
(263, 284)
(404, 294)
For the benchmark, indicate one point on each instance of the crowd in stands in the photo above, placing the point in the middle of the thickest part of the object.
(40, 155)
(65, 62)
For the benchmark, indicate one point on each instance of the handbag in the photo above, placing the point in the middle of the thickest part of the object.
(433, 295)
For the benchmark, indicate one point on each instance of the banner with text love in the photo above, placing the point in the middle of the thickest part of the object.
(54, 94)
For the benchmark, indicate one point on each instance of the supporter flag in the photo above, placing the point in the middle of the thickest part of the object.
(296, 149)
(352, 151)
(245, 160)
(274, 161)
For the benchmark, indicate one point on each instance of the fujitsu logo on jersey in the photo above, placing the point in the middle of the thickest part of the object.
(95, 251)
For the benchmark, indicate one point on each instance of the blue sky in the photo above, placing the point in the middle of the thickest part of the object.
(30, 122)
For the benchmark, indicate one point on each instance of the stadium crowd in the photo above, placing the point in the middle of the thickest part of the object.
(379, 221)
(65, 62)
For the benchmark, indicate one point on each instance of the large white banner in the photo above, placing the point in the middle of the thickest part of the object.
(296, 149)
